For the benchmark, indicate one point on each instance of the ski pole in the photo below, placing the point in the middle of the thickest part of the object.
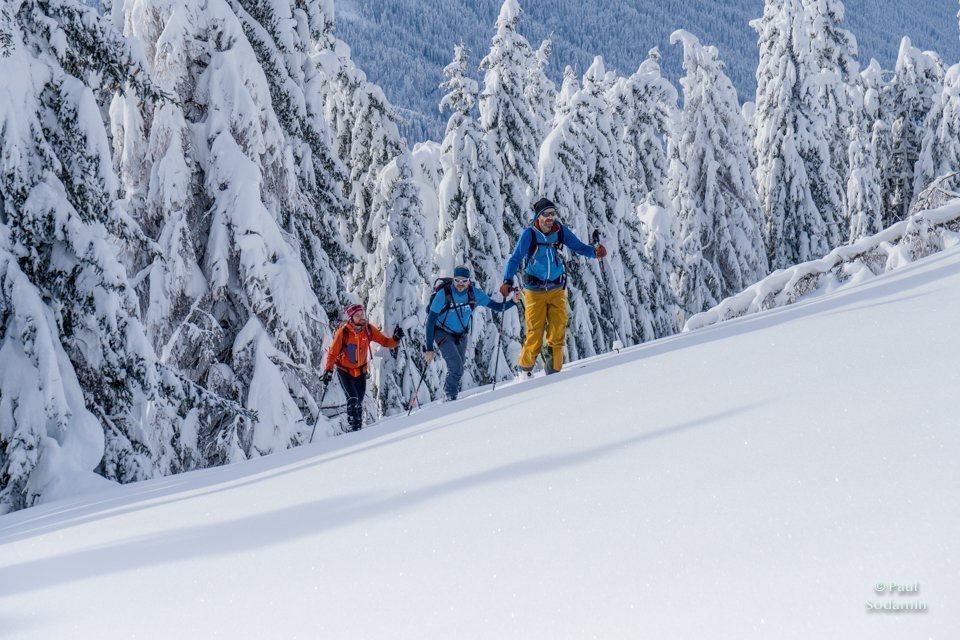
(595, 241)
(496, 364)
(319, 410)
(416, 391)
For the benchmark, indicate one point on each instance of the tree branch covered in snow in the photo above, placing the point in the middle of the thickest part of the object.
(923, 234)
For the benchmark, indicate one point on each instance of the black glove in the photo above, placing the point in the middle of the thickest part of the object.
(398, 333)
(327, 375)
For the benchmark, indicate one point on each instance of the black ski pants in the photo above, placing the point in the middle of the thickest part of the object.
(354, 388)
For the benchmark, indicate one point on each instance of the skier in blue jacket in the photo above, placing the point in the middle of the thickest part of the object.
(449, 322)
(545, 281)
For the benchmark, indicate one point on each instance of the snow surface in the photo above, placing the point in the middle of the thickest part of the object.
(754, 479)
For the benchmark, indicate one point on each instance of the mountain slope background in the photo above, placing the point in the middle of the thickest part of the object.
(767, 477)
(388, 39)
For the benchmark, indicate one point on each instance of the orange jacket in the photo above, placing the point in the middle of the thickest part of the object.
(350, 348)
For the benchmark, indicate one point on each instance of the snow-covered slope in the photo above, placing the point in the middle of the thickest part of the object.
(762, 478)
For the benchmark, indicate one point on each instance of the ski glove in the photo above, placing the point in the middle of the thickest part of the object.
(506, 288)
(601, 251)
(327, 375)
(398, 333)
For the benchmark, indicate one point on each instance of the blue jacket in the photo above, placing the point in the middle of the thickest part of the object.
(456, 318)
(545, 265)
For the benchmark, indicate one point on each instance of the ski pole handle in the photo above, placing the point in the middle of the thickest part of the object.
(595, 241)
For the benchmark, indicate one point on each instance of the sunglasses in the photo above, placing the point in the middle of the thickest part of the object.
(548, 213)
(461, 280)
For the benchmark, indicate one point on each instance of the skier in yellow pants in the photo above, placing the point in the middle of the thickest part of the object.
(545, 280)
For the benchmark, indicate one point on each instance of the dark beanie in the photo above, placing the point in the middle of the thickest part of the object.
(542, 205)
(461, 272)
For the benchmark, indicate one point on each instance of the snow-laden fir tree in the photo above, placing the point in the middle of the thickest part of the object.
(792, 141)
(917, 80)
(645, 108)
(375, 142)
(366, 136)
(610, 210)
(646, 104)
(398, 297)
(749, 112)
(68, 315)
(281, 34)
(471, 223)
(427, 163)
(222, 181)
(940, 153)
(507, 119)
(662, 278)
(49, 441)
(835, 54)
(864, 195)
(540, 91)
(718, 217)
(568, 88)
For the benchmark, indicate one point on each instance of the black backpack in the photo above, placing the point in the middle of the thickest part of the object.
(446, 286)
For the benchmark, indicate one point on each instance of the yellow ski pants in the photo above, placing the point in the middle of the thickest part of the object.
(546, 311)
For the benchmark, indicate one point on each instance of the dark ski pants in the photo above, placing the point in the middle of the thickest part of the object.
(354, 388)
(454, 354)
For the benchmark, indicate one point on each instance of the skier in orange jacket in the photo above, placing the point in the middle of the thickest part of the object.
(349, 355)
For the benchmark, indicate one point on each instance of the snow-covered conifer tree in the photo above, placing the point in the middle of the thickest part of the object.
(540, 91)
(507, 119)
(917, 80)
(864, 195)
(281, 34)
(398, 297)
(564, 99)
(222, 185)
(647, 105)
(49, 441)
(835, 55)
(662, 278)
(940, 153)
(427, 161)
(792, 143)
(471, 216)
(68, 315)
(718, 216)
(366, 136)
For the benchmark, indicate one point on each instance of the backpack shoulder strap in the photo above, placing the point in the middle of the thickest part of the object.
(447, 291)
